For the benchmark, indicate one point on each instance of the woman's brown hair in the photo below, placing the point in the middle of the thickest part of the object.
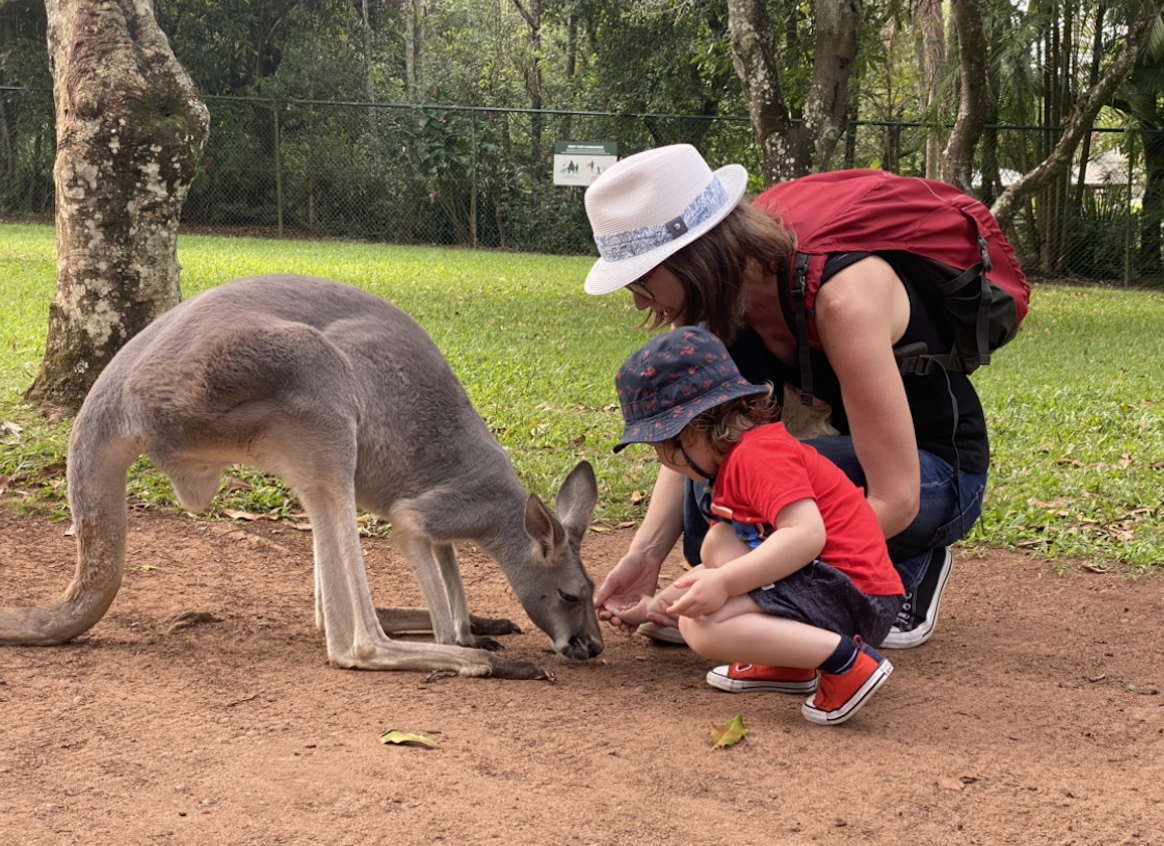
(713, 267)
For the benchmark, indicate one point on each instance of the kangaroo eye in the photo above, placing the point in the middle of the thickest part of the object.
(567, 597)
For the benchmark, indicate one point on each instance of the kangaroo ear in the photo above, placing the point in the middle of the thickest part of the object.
(577, 499)
(543, 527)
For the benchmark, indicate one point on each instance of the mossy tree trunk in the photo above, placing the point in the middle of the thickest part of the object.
(130, 131)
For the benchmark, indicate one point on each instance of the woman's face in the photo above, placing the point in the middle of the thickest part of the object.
(664, 295)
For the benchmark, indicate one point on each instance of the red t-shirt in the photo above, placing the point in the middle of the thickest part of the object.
(769, 469)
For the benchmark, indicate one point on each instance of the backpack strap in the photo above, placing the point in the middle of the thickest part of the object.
(800, 315)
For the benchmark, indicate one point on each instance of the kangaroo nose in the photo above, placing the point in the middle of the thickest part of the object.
(583, 647)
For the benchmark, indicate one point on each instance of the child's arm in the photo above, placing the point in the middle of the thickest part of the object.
(798, 539)
(654, 608)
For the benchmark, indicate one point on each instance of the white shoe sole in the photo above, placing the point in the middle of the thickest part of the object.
(663, 634)
(718, 678)
(835, 718)
(897, 639)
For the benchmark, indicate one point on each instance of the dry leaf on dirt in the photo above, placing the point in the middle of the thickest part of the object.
(728, 734)
(957, 782)
(245, 515)
(400, 738)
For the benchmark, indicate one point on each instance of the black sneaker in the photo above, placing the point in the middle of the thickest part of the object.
(918, 616)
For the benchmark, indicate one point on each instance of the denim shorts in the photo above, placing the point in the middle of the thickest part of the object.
(822, 596)
(950, 503)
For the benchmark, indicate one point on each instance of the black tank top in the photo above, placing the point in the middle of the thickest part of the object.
(948, 420)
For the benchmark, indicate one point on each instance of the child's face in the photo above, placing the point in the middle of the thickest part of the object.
(698, 453)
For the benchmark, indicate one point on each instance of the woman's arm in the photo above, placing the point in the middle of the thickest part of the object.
(860, 314)
(637, 574)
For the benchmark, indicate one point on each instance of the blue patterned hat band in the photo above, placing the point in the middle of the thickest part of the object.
(673, 379)
(635, 242)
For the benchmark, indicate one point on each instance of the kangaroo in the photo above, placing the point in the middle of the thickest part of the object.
(347, 399)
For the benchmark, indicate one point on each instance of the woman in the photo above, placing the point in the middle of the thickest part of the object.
(679, 239)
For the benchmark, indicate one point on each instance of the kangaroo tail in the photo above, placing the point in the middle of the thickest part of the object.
(99, 458)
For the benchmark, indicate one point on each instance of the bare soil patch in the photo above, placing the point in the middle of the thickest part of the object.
(201, 710)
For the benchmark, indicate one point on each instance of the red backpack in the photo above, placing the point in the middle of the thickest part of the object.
(955, 251)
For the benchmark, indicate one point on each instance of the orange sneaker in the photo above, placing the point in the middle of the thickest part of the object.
(756, 678)
(840, 697)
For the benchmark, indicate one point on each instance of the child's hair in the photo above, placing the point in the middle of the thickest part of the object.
(724, 424)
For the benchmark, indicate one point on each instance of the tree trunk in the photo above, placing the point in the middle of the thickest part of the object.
(931, 59)
(413, 11)
(837, 26)
(974, 102)
(789, 151)
(1082, 116)
(130, 131)
(533, 83)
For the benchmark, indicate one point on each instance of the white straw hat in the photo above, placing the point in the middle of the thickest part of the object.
(652, 204)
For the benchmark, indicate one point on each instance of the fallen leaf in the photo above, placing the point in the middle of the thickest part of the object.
(957, 782)
(400, 738)
(1096, 568)
(728, 734)
(244, 515)
(233, 483)
(186, 619)
(11, 428)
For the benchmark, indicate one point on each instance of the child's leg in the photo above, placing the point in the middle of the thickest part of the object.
(721, 545)
(741, 632)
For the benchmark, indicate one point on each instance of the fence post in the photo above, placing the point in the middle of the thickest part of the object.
(278, 170)
(1129, 239)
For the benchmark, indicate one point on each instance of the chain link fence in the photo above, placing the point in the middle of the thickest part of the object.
(483, 178)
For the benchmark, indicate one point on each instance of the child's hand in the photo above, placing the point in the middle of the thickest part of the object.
(705, 593)
(658, 614)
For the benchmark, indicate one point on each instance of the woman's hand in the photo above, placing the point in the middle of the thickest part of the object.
(632, 580)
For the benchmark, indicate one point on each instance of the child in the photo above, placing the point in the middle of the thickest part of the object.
(796, 577)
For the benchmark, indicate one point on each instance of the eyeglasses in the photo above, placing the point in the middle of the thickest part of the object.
(639, 286)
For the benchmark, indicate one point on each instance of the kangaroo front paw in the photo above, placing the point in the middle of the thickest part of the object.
(520, 670)
(488, 644)
(489, 626)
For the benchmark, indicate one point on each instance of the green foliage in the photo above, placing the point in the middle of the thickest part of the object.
(1077, 429)
(1073, 405)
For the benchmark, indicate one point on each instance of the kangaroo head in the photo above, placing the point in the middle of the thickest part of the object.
(555, 590)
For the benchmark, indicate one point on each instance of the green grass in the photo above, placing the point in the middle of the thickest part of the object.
(1076, 424)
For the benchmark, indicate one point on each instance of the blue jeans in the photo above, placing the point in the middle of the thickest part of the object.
(939, 521)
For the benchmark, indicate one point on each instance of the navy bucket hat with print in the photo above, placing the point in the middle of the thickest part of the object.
(673, 379)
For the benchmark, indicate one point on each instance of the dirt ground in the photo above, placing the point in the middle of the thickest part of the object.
(1033, 716)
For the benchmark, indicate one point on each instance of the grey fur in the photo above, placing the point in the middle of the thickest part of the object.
(347, 399)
